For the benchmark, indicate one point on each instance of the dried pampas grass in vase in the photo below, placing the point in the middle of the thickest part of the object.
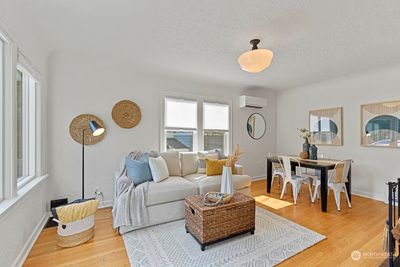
(233, 158)
(226, 179)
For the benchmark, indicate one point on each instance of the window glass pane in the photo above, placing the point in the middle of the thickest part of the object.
(216, 116)
(180, 113)
(19, 98)
(180, 140)
(216, 140)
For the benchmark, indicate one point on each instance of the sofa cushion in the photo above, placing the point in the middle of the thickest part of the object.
(188, 163)
(159, 169)
(172, 189)
(173, 162)
(215, 166)
(138, 170)
(219, 152)
(202, 155)
(213, 183)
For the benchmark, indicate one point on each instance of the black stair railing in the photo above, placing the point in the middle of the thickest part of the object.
(393, 216)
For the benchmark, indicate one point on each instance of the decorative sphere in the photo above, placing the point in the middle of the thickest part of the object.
(303, 155)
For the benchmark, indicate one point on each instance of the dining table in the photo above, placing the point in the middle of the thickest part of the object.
(322, 165)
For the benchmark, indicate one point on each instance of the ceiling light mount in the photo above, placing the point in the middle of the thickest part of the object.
(254, 43)
(255, 60)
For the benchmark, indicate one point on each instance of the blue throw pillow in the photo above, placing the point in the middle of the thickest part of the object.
(145, 157)
(138, 171)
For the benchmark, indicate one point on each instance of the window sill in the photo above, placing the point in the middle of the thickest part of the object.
(24, 182)
(7, 204)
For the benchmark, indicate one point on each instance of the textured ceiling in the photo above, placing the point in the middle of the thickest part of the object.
(311, 40)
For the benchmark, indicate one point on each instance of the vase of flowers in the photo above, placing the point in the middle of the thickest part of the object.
(226, 179)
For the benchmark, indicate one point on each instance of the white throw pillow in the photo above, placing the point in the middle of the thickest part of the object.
(188, 163)
(173, 162)
(159, 169)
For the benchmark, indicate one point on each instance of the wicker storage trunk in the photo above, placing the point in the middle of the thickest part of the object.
(211, 224)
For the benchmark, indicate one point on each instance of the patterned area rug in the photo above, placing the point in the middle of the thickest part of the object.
(275, 240)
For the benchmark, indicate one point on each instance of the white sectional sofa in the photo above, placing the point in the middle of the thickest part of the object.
(165, 200)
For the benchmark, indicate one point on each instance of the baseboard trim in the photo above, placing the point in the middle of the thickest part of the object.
(367, 195)
(19, 261)
(105, 204)
(258, 177)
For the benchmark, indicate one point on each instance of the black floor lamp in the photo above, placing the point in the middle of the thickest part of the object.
(97, 130)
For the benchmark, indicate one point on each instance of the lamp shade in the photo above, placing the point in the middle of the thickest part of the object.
(256, 60)
(96, 128)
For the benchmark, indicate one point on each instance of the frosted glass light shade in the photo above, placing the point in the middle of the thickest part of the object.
(256, 60)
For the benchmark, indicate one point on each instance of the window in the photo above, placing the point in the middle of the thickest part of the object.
(180, 124)
(185, 130)
(26, 125)
(20, 151)
(216, 126)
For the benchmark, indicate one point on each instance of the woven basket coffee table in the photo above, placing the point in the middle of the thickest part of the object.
(212, 224)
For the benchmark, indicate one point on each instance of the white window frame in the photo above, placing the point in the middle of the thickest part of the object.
(182, 129)
(7, 129)
(3, 42)
(199, 146)
(227, 143)
(30, 138)
(13, 57)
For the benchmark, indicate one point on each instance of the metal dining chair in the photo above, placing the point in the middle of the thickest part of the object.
(277, 169)
(295, 180)
(336, 182)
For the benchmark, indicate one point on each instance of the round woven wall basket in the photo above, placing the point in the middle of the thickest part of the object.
(81, 122)
(126, 114)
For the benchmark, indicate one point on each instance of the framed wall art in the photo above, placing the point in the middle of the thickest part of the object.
(326, 127)
(380, 124)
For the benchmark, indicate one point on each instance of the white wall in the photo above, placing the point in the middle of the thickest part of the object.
(85, 84)
(372, 166)
(21, 224)
(22, 221)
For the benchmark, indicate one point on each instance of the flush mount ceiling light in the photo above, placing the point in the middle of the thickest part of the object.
(256, 60)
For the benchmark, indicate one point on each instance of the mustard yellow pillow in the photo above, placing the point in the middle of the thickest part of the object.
(215, 166)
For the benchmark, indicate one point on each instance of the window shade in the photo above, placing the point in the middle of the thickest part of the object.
(216, 116)
(180, 113)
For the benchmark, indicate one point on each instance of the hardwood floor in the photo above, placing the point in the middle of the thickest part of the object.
(357, 229)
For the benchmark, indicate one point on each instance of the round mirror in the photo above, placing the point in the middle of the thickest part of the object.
(256, 126)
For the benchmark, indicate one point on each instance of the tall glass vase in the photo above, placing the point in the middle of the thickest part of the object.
(226, 180)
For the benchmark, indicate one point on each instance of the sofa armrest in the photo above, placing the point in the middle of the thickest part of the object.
(239, 169)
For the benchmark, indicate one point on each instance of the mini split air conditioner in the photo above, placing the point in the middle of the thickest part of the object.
(246, 101)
